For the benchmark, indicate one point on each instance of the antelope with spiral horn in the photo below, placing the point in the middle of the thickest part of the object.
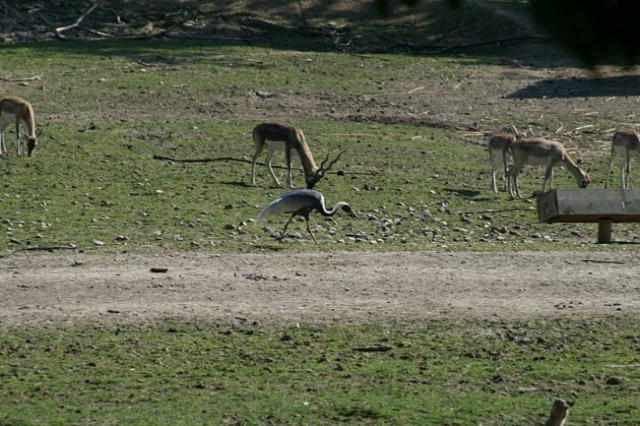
(290, 139)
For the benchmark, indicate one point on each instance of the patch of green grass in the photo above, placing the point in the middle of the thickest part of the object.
(439, 372)
(107, 108)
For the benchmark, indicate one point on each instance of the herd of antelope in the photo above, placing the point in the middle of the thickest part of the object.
(521, 150)
(524, 150)
(276, 136)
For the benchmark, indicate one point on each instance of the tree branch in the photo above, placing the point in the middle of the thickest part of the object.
(76, 24)
(241, 160)
(34, 78)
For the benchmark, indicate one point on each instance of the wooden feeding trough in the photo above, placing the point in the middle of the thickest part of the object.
(602, 206)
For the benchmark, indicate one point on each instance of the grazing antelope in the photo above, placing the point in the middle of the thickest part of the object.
(624, 144)
(498, 153)
(14, 110)
(290, 139)
(301, 202)
(559, 413)
(538, 151)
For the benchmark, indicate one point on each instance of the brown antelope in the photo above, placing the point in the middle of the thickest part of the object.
(14, 110)
(498, 152)
(290, 139)
(624, 144)
(538, 151)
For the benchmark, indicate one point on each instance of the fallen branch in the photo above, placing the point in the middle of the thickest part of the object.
(34, 78)
(163, 32)
(373, 349)
(95, 32)
(614, 262)
(51, 248)
(206, 10)
(76, 24)
(203, 160)
(436, 49)
(244, 160)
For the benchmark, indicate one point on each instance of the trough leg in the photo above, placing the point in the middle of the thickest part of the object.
(604, 232)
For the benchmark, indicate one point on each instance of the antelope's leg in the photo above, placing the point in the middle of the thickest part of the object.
(289, 158)
(548, 178)
(514, 189)
(3, 147)
(625, 184)
(254, 159)
(492, 159)
(273, 175)
(18, 137)
(606, 182)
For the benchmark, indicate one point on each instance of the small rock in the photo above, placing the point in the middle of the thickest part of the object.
(615, 381)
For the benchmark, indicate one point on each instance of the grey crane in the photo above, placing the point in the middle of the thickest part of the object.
(301, 202)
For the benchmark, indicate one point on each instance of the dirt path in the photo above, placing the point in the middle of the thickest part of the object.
(315, 287)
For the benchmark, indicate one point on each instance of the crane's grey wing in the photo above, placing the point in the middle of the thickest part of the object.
(290, 202)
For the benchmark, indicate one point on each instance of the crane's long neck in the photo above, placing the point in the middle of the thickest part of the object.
(334, 210)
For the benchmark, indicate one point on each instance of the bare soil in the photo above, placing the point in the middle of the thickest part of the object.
(337, 287)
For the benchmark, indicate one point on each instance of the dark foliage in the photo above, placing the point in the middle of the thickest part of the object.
(596, 31)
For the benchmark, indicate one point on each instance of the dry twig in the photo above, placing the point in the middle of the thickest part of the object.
(34, 78)
(51, 248)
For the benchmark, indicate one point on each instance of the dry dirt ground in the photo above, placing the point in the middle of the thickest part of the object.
(289, 288)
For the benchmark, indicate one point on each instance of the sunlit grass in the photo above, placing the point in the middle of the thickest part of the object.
(107, 108)
(440, 372)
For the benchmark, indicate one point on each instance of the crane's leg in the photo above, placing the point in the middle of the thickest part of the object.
(309, 229)
(284, 230)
